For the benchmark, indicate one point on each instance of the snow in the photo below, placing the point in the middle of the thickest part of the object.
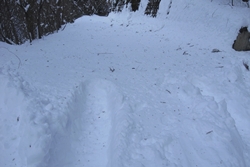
(129, 90)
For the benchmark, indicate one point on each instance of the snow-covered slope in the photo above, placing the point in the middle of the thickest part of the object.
(130, 91)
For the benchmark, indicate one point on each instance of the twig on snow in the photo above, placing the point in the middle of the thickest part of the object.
(209, 132)
(64, 27)
(246, 65)
(111, 69)
(105, 53)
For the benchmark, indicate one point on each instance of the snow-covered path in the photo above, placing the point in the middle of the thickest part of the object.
(129, 91)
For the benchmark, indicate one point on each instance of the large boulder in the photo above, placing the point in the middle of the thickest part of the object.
(242, 41)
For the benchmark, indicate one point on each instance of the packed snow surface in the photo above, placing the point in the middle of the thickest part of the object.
(128, 90)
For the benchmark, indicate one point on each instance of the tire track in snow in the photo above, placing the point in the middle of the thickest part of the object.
(95, 131)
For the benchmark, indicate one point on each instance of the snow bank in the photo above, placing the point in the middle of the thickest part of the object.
(27, 122)
(208, 128)
(21, 130)
(12, 103)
